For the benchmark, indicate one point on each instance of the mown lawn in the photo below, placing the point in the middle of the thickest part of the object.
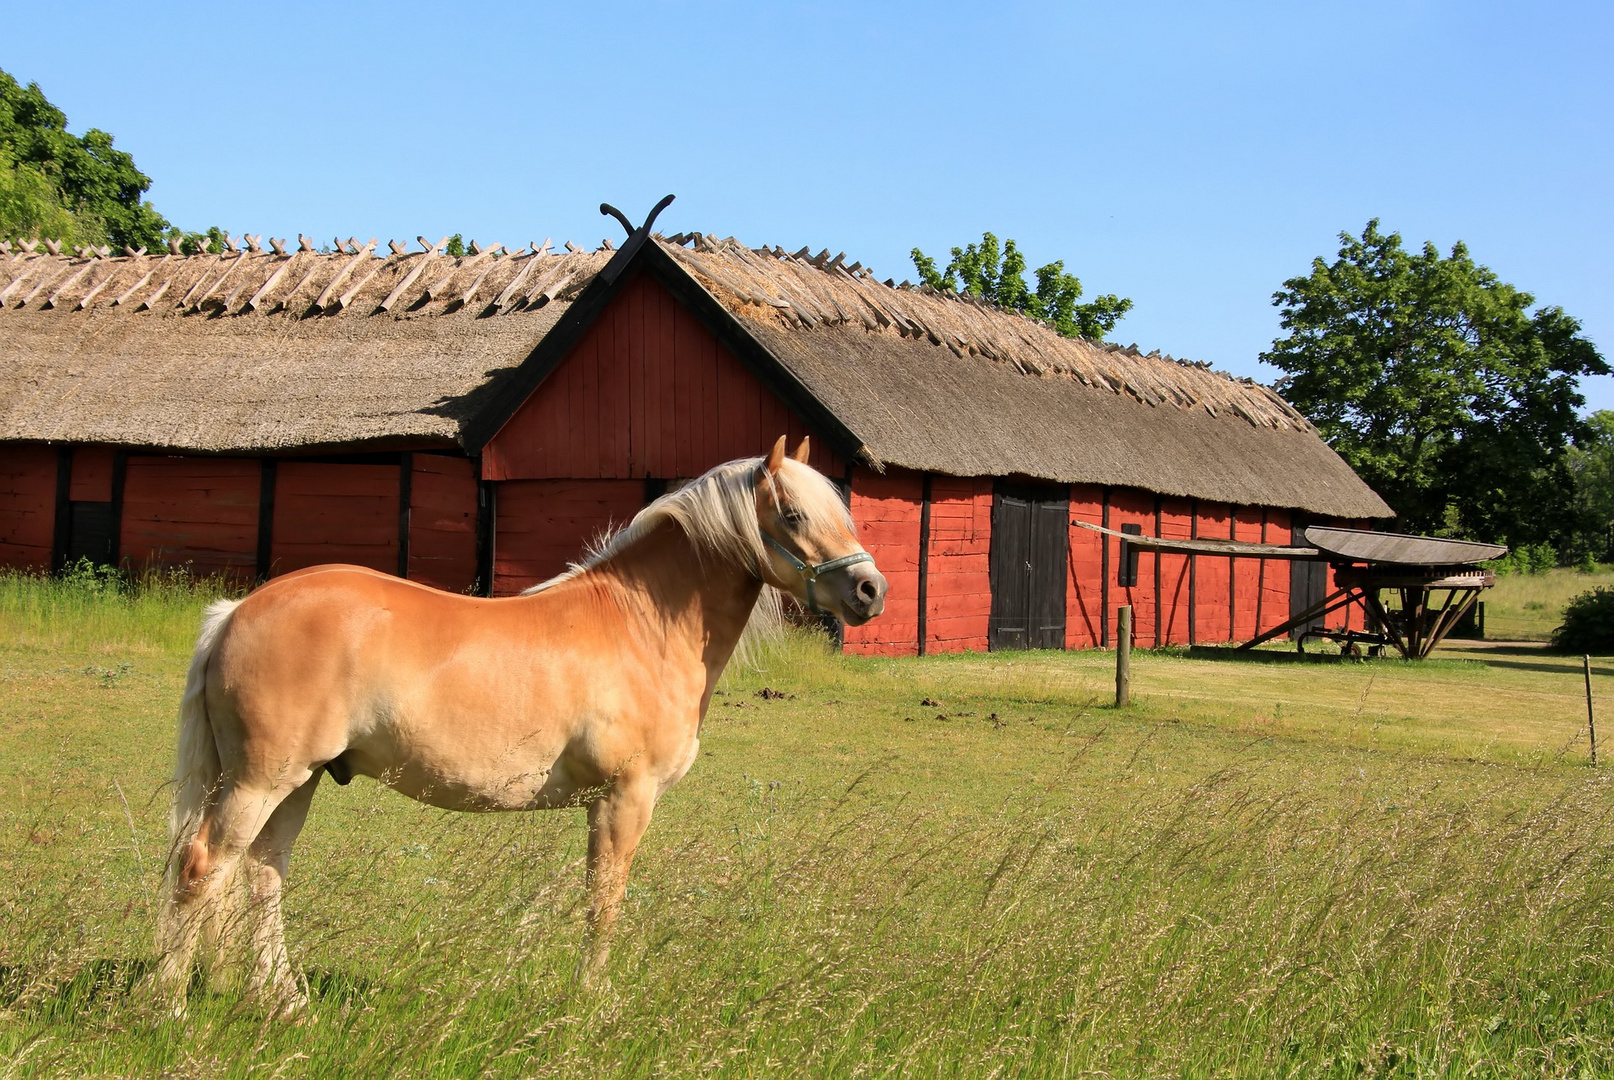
(1265, 867)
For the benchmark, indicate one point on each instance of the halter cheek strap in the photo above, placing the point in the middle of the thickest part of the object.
(809, 574)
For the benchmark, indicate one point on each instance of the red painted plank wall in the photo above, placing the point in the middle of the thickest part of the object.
(1176, 523)
(1130, 506)
(335, 514)
(958, 602)
(1274, 574)
(200, 513)
(886, 509)
(647, 391)
(1084, 583)
(542, 525)
(442, 522)
(1246, 572)
(92, 474)
(27, 506)
(1211, 623)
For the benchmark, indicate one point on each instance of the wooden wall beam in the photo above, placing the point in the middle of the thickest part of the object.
(266, 519)
(1104, 578)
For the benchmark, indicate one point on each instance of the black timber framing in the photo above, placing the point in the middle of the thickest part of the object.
(924, 562)
(641, 254)
(266, 518)
(64, 509)
(487, 520)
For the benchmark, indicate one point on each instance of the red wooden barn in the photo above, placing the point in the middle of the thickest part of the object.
(470, 422)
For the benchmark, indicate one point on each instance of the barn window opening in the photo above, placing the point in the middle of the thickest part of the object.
(1128, 577)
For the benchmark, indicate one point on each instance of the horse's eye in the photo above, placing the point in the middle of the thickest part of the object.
(792, 518)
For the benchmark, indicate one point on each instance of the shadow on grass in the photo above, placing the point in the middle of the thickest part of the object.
(95, 981)
(112, 978)
(1233, 654)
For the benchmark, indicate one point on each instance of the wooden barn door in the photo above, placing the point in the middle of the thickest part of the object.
(1030, 547)
(1308, 582)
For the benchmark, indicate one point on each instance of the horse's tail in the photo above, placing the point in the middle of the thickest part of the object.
(197, 768)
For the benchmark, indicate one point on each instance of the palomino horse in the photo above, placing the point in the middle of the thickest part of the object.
(589, 688)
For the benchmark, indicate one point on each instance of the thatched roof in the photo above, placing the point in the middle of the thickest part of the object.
(254, 351)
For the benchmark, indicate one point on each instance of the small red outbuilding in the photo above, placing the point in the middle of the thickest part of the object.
(471, 422)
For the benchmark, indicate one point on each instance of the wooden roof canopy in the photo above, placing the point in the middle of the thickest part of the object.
(261, 351)
(1328, 544)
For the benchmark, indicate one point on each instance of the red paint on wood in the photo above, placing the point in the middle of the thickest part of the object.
(1246, 572)
(545, 524)
(335, 514)
(194, 513)
(442, 522)
(1128, 506)
(647, 391)
(886, 510)
(958, 600)
(1275, 577)
(1176, 523)
(92, 474)
(27, 506)
(1211, 622)
(1084, 604)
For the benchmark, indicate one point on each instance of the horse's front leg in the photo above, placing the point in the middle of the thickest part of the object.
(615, 824)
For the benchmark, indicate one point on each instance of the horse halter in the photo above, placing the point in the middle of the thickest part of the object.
(809, 574)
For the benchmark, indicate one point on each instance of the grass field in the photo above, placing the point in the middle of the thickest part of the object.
(1265, 867)
(1526, 607)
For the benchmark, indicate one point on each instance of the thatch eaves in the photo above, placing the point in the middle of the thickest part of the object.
(257, 352)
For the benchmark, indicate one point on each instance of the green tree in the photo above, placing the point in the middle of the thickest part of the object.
(1592, 465)
(1448, 390)
(998, 275)
(49, 172)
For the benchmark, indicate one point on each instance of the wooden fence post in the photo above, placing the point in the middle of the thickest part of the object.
(1123, 656)
(1591, 721)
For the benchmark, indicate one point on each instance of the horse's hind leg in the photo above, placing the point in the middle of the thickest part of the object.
(272, 976)
(204, 872)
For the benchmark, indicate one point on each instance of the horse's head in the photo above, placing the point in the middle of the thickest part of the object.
(812, 550)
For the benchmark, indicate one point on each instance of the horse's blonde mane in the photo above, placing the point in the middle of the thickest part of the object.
(718, 512)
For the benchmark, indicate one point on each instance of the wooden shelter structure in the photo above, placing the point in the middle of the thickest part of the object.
(1438, 581)
(472, 421)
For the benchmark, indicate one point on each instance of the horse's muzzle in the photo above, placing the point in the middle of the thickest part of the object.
(861, 593)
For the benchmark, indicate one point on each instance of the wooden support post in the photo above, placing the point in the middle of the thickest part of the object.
(1591, 720)
(266, 520)
(406, 481)
(1123, 656)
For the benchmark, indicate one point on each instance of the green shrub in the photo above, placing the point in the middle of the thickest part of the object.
(1588, 625)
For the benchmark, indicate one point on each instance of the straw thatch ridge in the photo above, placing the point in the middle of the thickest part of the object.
(256, 352)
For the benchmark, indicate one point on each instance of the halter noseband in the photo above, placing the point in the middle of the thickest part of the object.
(809, 574)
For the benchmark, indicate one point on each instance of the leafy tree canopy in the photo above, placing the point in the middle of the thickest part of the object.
(1448, 390)
(998, 275)
(1592, 465)
(76, 188)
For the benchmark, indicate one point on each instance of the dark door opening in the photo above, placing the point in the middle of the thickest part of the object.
(1030, 553)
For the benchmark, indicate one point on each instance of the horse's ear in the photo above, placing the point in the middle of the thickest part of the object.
(776, 456)
(801, 451)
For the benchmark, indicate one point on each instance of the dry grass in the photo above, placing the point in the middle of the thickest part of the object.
(1264, 868)
(1526, 607)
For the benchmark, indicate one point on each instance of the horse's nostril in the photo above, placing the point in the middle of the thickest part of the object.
(867, 591)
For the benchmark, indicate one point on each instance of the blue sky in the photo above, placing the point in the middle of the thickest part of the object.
(1190, 156)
